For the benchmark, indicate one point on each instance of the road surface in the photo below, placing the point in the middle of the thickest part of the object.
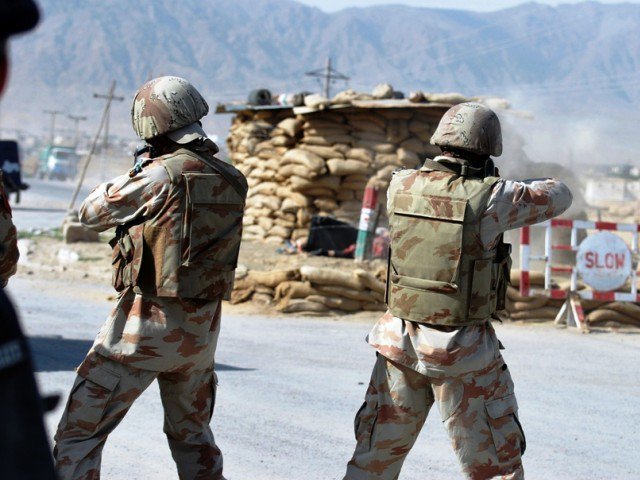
(289, 389)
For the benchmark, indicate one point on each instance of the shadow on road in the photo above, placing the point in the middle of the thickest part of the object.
(57, 354)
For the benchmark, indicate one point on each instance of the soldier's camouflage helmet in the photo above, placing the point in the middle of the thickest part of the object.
(168, 106)
(472, 127)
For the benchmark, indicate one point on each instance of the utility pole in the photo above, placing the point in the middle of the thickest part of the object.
(110, 97)
(329, 75)
(54, 114)
(77, 119)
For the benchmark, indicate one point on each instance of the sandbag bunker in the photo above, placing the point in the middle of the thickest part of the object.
(316, 158)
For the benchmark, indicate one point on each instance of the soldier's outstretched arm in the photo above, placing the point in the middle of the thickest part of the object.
(126, 198)
(514, 204)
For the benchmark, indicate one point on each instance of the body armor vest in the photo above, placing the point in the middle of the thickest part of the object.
(439, 272)
(189, 249)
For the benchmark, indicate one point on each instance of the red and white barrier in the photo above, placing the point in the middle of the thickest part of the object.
(604, 262)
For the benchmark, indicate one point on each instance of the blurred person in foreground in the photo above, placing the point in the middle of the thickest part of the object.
(24, 449)
(448, 272)
(178, 218)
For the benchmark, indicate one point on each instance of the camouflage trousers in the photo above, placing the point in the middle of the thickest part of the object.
(479, 411)
(102, 394)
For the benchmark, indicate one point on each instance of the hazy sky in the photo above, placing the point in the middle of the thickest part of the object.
(482, 5)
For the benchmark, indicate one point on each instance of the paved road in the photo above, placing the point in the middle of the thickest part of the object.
(45, 203)
(289, 388)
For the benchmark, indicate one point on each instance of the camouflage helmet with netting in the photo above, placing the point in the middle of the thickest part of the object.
(168, 106)
(472, 127)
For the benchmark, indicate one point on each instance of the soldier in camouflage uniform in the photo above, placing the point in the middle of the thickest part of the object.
(448, 271)
(178, 215)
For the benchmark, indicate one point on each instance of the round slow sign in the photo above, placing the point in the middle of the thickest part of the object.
(604, 261)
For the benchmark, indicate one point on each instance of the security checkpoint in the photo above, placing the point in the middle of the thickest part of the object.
(604, 262)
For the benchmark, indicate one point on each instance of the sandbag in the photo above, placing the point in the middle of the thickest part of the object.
(336, 303)
(532, 304)
(291, 126)
(544, 312)
(369, 280)
(294, 289)
(272, 278)
(323, 151)
(625, 308)
(241, 295)
(413, 145)
(362, 154)
(253, 230)
(326, 141)
(535, 278)
(305, 158)
(397, 130)
(264, 188)
(340, 167)
(363, 296)
(326, 204)
(302, 306)
(370, 136)
(299, 184)
(383, 159)
(329, 276)
(366, 125)
(267, 201)
(600, 316)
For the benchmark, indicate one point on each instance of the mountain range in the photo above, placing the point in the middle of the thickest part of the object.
(578, 60)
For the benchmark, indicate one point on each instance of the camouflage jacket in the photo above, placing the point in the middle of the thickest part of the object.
(148, 331)
(428, 350)
(8, 239)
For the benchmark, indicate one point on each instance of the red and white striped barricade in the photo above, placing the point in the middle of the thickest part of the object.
(604, 262)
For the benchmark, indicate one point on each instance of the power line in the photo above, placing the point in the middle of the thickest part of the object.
(329, 75)
(52, 128)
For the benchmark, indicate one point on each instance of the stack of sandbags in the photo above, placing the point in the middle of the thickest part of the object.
(615, 314)
(320, 162)
(530, 309)
(313, 290)
(325, 290)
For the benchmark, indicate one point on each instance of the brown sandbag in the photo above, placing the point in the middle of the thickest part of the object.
(366, 125)
(302, 306)
(345, 194)
(336, 303)
(267, 201)
(369, 280)
(341, 167)
(322, 151)
(264, 188)
(384, 159)
(283, 141)
(272, 278)
(330, 276)
(397, 130)
(299, 184)
(326, 132)
(291, 126)
(363, 296)
(305, 158)
(241, 295)
(326, 141)
(362, 154)
(295, 289)
(370, 136)
(625, 308)
(534, 303)
(326, 204)
(413, 145)
(544, 312)
(602, 315)
(535, 278)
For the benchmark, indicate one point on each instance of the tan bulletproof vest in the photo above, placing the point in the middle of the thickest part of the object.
(189, 249)
(439, 272)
